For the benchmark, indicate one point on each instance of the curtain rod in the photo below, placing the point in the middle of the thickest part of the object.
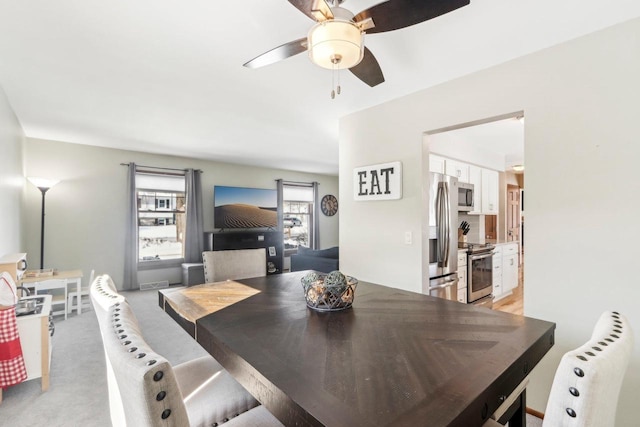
(158, 167)
(300, 184)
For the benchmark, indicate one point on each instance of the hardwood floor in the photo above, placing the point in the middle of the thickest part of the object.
(514, 303)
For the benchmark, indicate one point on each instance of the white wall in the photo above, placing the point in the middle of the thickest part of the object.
(86, 211)
(580, 99)
(12, 180)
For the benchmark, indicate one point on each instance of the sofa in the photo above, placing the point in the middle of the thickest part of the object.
(323, 260)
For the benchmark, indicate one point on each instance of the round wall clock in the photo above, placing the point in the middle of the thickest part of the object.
(329, 205)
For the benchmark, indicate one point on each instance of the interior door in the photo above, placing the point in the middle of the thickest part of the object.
(513, 213)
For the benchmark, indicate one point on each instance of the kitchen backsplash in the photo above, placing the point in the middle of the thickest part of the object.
(476, 233)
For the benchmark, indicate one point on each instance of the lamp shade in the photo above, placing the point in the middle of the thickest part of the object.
(336, 44)
(43, 182)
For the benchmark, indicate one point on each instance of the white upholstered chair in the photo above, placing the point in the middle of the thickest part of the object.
(587, 383)
(73, 299)
(154, 393)
(234, 264)
(103, 295)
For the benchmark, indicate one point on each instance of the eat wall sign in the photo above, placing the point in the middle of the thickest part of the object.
(378, 182)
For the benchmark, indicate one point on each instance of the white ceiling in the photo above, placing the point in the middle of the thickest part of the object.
(503, 139)
(166, 76)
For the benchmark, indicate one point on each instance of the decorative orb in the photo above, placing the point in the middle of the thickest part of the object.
(310, 278)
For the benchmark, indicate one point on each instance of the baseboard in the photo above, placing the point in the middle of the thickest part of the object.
(160, 284)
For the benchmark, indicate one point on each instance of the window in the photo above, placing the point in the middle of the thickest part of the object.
(298, 217)
(161, 216)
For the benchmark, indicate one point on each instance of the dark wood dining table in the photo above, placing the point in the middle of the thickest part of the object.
(396, 358)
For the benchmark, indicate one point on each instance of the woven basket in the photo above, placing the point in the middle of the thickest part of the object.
(329, 298)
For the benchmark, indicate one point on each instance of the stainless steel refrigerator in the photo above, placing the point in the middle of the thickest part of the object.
(443, 236)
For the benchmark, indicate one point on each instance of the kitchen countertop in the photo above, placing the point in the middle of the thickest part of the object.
(500, 241)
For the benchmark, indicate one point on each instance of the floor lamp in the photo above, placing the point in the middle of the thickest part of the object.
(43, 185)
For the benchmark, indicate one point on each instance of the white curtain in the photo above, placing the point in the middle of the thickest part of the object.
(131, 237)
(194, 232)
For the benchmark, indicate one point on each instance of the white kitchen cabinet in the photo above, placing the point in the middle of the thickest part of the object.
(509, 272)
(505, 270)
(497, 273)
(489, 191)
(475, 178)
(436, 164)
(458, 169)
(509, 267)
(462, 276)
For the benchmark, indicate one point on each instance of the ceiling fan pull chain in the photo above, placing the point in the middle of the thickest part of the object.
(333, 83)
(338, 88)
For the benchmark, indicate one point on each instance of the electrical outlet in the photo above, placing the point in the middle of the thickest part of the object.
(408, 238)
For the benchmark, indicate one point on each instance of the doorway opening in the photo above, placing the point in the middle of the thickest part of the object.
(489, 154)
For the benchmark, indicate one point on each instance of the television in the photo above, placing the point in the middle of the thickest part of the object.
(241, 207)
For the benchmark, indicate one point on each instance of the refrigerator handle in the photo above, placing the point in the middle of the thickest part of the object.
(447, 240)
(443, 224)
(445, 285)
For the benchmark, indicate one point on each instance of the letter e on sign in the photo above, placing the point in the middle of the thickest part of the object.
(378, 182)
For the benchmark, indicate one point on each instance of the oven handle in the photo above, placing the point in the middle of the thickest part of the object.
(481, 256)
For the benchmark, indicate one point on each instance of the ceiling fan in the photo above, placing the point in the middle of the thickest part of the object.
(336, 41)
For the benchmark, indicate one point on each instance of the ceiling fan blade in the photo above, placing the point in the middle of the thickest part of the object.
(395, 14)
(368, 70)
(278, 54)
(318, 10)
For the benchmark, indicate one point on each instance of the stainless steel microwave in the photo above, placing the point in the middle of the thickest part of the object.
(465, 197)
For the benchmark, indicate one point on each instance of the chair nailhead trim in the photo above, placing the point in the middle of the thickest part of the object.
(590, 353)
(597, 348)
(581, 357)
(579, 372)
(158, 376)
(571, 412)
(127, 342)
(166, 413)
(614, 335)
(140, 355)
(132, 349)
(151, 362)
(574, 391)
(160, 396)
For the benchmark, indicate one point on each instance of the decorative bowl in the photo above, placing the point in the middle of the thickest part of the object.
(329, 295)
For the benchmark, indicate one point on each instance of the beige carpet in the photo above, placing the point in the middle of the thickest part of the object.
(77, 395)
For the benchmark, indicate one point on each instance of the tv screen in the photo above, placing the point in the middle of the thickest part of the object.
(240, 207)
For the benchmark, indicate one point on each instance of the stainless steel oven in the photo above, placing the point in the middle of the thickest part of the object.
(480, 274)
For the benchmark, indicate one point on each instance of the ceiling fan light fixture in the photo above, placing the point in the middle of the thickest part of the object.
(518, 168)
(336, 44)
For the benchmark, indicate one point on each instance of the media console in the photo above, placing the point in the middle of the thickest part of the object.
(271, 241)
